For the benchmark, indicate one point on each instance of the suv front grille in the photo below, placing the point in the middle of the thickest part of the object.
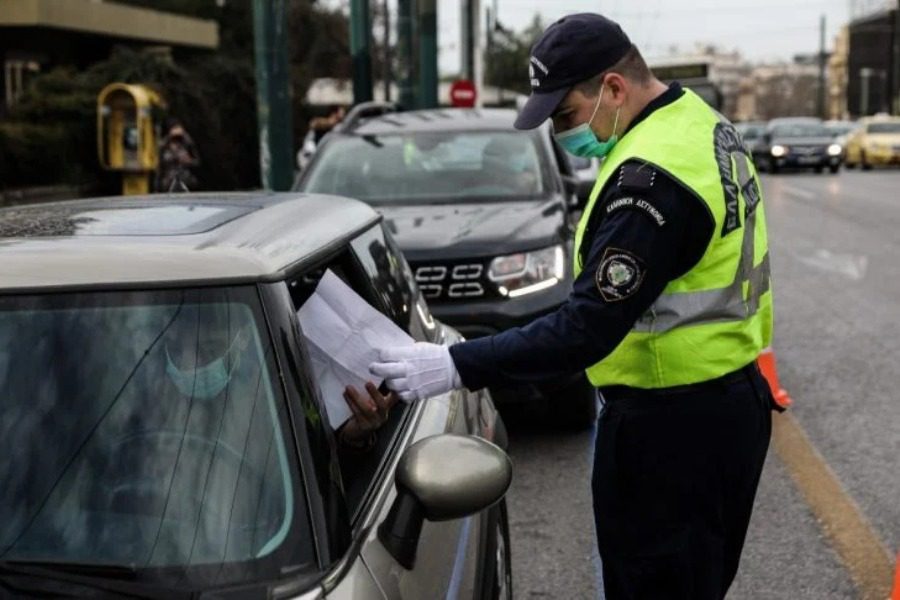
(807, 150)
(450, 281)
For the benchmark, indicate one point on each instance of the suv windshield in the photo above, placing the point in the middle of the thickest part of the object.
(892, 127)
(146, 429)
(430, 167)
(800, 130)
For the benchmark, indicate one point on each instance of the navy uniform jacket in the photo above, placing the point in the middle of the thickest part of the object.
(660, 234)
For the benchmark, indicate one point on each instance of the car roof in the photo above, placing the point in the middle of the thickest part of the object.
(795, 121)
(443, 119)
(880, 119)
(177, 238)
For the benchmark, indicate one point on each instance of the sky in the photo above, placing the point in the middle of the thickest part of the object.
(762, 30)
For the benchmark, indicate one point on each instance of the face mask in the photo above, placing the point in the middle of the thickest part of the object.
(582, 141)
(203, 383)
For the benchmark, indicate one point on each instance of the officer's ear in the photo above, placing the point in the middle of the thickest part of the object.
(616, 88)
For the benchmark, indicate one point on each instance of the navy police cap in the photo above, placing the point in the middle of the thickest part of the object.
(573, 49)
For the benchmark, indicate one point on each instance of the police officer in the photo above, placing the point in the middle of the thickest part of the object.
(670, 308)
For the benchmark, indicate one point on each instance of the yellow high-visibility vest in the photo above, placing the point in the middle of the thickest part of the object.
(717, 317)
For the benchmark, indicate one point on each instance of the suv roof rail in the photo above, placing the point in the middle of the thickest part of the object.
(366, 110)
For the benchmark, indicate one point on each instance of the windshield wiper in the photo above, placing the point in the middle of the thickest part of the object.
(44, 577)
(91, 569)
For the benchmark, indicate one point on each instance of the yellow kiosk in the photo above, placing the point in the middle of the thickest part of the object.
(126, 136)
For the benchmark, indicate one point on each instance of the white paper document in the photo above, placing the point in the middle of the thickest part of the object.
(344, 334)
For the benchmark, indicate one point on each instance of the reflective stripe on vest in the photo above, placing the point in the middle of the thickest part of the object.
(718, 316)
(714, 306)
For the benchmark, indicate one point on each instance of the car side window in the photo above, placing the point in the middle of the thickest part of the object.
(358, 467)
(394, 283)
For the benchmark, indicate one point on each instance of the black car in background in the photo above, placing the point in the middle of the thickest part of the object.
(798, 143)
(484, 214)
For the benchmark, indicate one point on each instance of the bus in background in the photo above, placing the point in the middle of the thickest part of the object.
(693, 74)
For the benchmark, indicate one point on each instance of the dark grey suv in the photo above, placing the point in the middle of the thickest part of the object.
(128, 473)
(483, 212)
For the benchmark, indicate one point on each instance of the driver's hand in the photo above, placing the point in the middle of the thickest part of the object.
(369, 413)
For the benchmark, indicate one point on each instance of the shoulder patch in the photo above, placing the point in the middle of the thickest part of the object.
(619, 275)
(639, 204)
(636, 177)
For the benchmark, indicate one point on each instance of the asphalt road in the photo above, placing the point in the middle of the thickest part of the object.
(835, 244)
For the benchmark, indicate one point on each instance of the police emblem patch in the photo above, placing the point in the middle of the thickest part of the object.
(620, 275)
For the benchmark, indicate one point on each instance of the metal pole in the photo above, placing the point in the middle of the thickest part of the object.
(864, 74)
(467, 39)
(361, 50)
(405, 52)
(428, 54)
(387, 74)
(821, 105)
(273, 94)
(894, 85)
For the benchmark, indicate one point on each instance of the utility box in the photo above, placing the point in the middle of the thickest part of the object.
(127, 133)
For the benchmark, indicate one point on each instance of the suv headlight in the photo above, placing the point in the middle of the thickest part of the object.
(779, 150)
(527, 272)
(834, 150)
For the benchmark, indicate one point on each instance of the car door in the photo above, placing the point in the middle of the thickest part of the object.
(448, 552)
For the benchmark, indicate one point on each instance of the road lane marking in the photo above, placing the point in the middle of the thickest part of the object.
(859, 548)
(796, 191)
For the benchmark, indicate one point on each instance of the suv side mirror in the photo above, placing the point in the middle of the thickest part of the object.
(440, 478)
(578, 191)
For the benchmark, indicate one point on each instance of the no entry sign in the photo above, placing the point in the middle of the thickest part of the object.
(462, 94)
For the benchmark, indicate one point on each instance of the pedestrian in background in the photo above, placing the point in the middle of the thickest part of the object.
(177, 156)
(671, 306)
(319, 127)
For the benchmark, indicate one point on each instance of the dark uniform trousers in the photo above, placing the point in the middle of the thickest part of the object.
(675, 475)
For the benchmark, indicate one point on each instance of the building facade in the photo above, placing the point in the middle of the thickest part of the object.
(838, 73)
(37, 35)
(873, 64)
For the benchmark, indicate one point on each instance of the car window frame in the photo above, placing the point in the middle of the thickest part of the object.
(345, 252)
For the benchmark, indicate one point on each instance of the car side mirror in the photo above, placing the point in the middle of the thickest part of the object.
(577, 191)
(441, 478)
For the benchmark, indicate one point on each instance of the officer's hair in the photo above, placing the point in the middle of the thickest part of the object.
(631, 66)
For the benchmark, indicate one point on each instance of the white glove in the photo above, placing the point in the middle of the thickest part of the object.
(417, 372)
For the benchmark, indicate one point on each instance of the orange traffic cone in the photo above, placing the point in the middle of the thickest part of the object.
(766, 362)
(895, 595)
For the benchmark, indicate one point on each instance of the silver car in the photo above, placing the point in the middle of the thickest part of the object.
(164, 435)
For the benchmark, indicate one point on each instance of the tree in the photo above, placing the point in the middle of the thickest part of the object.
(213, 93)
(507, 56)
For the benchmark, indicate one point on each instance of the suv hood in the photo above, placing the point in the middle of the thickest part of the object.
(465, 230)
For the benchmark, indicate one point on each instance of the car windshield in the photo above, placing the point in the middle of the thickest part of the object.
(838, 129)
(750, 132)
(146, 429)
(891, 127)
(800, 130)
(430, 167)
